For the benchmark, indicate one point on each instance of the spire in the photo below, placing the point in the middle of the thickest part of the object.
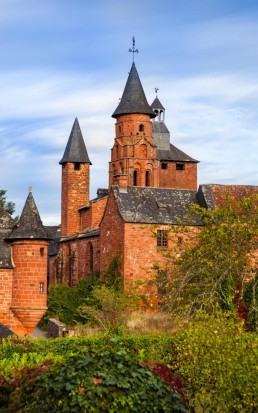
(133, 99)
(75, 150)
(157, 104)
(30, 225)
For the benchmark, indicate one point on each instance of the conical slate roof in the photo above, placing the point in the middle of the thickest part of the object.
(157, 104)
(30, 225)
(75, 150)
(133, 99)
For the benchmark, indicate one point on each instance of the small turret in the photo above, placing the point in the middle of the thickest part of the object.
(29, 243)
(75, 181)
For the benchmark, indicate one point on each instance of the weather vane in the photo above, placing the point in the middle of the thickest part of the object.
(133, 50)
(156, 91)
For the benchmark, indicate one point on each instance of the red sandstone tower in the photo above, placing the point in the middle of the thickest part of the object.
(134, 155)
(75, 181)
(29, 243)
(142, 154)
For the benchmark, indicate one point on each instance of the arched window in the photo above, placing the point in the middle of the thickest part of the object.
(135, 177)
(147, 178)
(89, 258)
(141, 128)
(121, 168)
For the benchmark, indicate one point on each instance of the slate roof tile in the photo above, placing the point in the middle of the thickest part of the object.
(155, 205)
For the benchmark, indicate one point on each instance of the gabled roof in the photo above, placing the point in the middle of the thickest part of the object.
(215, 195)
(155, 205)
(174, 154)
(133, 99)
(75, 150)
(159, 127)
(156, 104)
(29, 225)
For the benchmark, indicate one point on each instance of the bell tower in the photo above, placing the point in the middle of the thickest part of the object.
(75, 181)
(133, 156)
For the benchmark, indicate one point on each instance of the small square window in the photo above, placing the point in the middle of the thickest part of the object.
(180, 166)
(162, 238)
(77, 166)
(164, 165)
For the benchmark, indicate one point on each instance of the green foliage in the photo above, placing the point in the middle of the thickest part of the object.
(250, 300)
(211, 267)
(217, 360)
(107, 381)
(109, 308)
(63, 301)
(7, 206)
(112, 275)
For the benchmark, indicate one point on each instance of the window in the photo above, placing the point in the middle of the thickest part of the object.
(164, 165)
(135, 178)
(141, 128)
(77, 166)
(147, 178)
(42, 252)
(180, 166)
(162, 238)
(41, 288)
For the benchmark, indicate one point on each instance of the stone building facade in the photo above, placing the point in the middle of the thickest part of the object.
(152, 184)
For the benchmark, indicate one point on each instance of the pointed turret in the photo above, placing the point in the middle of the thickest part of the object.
(30, 225)
(75, 181)
(75, 150)
(157, 104)
(29, 243)
(133, 99)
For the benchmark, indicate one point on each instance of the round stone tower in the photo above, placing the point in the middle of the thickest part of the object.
(29, 243)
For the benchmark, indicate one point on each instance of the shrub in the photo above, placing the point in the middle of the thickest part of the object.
(217, 360)
(109, 308)
(107, 381)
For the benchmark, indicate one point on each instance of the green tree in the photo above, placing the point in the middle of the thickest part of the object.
(7, 206)
(214, 266)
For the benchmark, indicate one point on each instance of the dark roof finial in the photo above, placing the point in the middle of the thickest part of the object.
(156, 91)
(133, 50)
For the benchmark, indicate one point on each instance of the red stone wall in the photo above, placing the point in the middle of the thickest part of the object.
(88, 256)
(112, 235)
(77, 258)
(28, 302)
(172, 178)
(75, 194)
(91, 217)
(6, 315)
(133, 150)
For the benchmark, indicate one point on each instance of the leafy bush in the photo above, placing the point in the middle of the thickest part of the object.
(217, 360)
(63, 301)
(251, 301)
(109, 308)
(107, 381)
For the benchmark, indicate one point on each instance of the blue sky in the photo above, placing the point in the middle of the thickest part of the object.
(60, 59)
